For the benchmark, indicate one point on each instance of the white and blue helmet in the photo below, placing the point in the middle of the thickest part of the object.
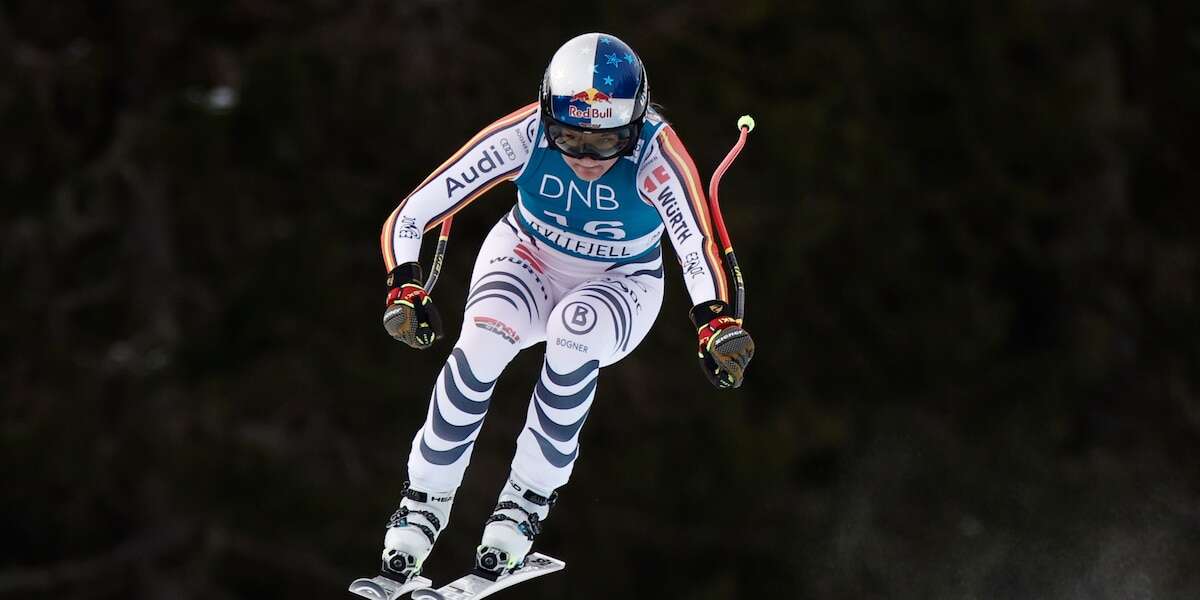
(594, 96)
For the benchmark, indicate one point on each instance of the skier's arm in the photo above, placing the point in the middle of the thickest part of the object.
(495, 154)
(498, 153)
(668, 180)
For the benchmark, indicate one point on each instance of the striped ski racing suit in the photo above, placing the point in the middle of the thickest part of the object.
(576, 264)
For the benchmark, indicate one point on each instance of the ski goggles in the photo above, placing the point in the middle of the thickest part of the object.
(599, 144)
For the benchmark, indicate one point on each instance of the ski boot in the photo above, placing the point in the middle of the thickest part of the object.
(508, 534)
(412, 530)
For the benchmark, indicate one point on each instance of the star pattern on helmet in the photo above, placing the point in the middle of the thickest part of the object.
(628, 58)
(608, 80)
(605, 40)
(596, 68)
(612, 59)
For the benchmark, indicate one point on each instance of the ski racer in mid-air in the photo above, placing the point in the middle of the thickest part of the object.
(576, 263)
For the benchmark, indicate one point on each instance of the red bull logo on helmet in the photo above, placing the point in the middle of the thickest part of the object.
(589, 113)
(591, 97)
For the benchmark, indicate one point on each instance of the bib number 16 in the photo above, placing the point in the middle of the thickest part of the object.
(610, 229)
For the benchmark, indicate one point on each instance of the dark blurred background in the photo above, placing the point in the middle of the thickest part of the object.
(968, 231)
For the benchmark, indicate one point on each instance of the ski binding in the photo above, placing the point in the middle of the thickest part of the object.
(382, 588)
(474, 587)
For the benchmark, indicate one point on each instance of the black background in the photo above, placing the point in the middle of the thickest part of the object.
(968, 232)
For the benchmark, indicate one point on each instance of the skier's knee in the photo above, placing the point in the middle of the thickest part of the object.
(579, 331)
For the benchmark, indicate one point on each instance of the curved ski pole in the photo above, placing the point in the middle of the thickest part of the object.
(439, 255)
(745, 126)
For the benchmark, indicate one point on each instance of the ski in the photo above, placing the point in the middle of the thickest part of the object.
(474, 587)
(382, 588)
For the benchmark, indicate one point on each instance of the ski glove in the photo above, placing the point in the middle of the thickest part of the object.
(410, 315)
(725, 348)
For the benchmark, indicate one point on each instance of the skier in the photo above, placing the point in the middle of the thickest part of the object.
(576, 263)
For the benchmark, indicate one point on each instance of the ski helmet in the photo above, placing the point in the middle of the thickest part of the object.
(594, 96)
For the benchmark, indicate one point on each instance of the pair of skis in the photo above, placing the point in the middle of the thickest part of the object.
(467, 587)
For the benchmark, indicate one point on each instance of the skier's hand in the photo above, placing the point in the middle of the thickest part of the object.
(725, 348)
(410, 315)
